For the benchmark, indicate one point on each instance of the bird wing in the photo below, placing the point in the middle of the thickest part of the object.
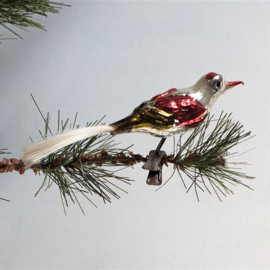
(185, 109)
(163, 113)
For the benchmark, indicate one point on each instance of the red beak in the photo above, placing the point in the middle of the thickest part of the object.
(233, 84)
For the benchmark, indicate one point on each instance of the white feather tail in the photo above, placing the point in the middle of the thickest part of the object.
(35, 152)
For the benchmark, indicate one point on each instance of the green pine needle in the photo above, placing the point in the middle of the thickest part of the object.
(21, 13)
(76, 169)
(202, 158)
(3, 151)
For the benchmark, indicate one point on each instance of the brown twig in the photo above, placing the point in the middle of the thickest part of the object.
(130, 159)
(10, 165)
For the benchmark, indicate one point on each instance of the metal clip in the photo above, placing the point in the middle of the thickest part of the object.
(154, 165)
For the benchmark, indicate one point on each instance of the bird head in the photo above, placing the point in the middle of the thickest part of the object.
(218, 84)
(211, 86)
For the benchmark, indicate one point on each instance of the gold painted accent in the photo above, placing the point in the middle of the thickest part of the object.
(165, 113)
(147, 125)
(158, 122)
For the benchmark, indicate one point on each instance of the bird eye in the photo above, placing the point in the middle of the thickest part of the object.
(216, 84)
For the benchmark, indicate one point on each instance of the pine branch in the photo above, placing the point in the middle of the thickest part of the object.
(20, 13)
(77, 167)
(203, 157)
(3, 151)
(82, 167)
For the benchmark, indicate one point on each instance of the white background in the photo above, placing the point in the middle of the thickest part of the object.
(101, 58)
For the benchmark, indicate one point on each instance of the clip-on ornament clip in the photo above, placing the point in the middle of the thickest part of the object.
(154, 165)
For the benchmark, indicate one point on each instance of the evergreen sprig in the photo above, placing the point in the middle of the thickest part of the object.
(20, 13)
(3, 151)
(83, 167)
(203, 157)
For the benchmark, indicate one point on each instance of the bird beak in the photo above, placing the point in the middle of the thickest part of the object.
(230, 85)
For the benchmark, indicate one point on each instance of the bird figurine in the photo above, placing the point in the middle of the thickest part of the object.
(175, 111)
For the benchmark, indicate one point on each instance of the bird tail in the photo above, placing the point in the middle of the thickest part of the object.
(35, 152)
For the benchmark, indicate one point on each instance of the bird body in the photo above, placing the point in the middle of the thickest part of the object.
(176, 110)
(166, 114)
(163, 116)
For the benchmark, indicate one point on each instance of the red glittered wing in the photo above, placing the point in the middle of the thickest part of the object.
(185, 109)
(164, 94)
